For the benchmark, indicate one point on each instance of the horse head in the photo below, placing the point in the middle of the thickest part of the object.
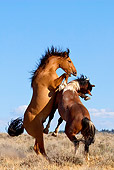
(67, 65)
(85, 85)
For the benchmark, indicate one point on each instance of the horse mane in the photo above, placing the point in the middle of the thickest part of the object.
(83, 79)
(44, 60)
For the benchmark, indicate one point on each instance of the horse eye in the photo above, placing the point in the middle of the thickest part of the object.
(69, 61)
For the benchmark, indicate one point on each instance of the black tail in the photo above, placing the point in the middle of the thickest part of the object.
(88, 130)
(16, 127)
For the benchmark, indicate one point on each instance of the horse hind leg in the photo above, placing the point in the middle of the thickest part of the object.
(88, 131)
(87, 152)
(39, 149)
(37, 133)
(39, 145)
(36, 147)
(71, 135)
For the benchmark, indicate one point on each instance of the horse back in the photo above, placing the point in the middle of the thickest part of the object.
(70, 106)
(79, 111)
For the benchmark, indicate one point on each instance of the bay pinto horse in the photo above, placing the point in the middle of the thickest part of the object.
(84, 87)
(75, 113)
(45, 82)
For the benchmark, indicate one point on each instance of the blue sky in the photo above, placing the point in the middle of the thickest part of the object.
(28, 27)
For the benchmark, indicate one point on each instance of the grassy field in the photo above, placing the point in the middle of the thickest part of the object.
(17, 153)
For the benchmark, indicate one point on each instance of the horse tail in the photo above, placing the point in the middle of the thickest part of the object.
(16, 127)
(88, 130)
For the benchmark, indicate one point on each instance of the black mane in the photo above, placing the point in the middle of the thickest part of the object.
(82, 77)
(44, 59)
(83, 80)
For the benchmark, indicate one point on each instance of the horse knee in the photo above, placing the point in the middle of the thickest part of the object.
(60, 120)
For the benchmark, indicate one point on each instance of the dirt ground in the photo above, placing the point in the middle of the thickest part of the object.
(16, 153)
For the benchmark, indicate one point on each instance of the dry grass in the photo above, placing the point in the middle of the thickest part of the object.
(17, 153)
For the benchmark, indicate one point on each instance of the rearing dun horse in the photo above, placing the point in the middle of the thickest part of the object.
(45, 82)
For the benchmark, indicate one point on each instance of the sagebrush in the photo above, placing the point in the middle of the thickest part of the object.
(16, 153)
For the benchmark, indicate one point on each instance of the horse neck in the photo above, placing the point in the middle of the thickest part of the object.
(51, 65)
(73, 85)
(69, 98)
(81, 87)
(48, 69)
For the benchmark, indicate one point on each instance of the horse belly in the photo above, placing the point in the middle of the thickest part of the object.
(63, 111)
(39, 106)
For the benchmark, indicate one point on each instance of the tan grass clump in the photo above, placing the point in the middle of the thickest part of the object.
(16, 153)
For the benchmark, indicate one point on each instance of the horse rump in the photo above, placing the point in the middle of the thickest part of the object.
(88, 130)
(16, 127)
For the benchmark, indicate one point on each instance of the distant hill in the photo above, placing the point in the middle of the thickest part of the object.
(108, 131)
(103, 130)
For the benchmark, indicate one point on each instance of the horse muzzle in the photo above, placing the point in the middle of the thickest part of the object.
(74, 73)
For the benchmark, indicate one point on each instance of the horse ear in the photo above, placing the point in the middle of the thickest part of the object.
(93, 85)
(68, 51)
(66, 54)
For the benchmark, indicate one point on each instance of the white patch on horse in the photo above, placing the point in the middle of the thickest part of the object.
(62, 85)
(73, 86)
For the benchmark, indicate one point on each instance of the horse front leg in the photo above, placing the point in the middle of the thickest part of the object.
(39, 145)
(55, 133)
(59, 80)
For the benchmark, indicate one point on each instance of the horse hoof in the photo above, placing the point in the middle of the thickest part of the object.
(46, 131)
(87, 157)
(54, 134)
